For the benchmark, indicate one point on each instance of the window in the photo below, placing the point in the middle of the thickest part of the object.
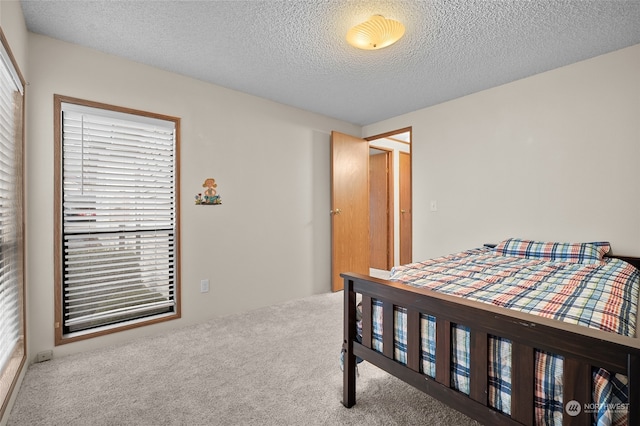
(116, 218)
(12, 336)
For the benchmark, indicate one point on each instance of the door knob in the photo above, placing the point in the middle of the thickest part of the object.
(403, 211)
(336, 211)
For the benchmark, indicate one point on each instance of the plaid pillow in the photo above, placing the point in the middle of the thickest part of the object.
(563, 252)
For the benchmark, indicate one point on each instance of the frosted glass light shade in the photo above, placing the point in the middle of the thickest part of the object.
(376, 33)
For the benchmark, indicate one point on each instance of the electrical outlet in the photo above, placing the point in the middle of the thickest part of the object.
(44, 356)
(204, 286)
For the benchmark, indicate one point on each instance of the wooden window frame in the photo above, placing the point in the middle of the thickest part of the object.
(10, 372)
(60, 336)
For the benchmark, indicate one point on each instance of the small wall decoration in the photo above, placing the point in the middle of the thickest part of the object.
(210, 196)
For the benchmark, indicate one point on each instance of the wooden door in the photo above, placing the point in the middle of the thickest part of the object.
(404, 178)
(349, 207)
(381, 210)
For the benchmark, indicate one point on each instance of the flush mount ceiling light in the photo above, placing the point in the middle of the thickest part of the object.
(376, 33)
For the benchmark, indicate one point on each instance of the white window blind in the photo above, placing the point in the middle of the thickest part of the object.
(119, 217)
(11, 238)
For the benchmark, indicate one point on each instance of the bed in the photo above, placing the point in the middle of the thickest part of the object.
(522, 332)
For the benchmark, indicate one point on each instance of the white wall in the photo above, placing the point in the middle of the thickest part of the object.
(267, 242)
(15, 30)
(553, 157)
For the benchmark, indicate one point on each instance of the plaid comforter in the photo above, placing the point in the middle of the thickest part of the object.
(601, 295)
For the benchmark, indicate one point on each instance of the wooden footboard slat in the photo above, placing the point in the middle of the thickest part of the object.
(633, 375)
(522, 382)
(349, 373)
(413, 339)
(443, 352)
(479, 366)
(388, 334)
(367, 335)
(576, 379)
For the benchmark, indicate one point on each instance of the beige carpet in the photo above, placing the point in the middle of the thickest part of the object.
(272, 366)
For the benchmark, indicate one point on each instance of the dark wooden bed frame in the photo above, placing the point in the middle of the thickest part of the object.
(581, 347)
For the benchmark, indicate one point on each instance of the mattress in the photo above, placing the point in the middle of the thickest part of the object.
(595, 292)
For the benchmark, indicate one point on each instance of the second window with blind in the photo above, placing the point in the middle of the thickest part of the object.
(117, 230)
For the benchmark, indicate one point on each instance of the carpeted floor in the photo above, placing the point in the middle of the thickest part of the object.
(273, 366)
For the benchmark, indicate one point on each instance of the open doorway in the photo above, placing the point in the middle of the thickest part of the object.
(381, 185)
(390, 201)
(350, 203)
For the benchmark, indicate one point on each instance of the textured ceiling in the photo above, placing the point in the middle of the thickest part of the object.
(295, 53)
